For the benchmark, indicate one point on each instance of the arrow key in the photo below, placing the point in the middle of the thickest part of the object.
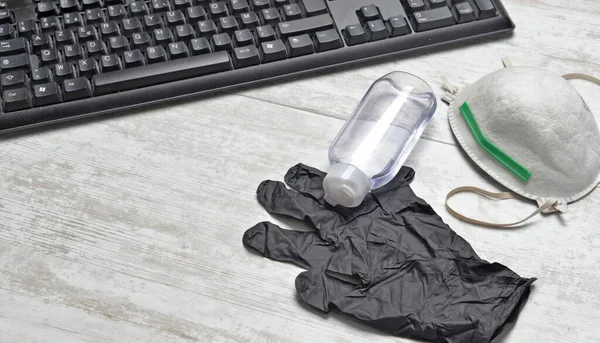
(16, 99)
(78, 88)
(46, 94)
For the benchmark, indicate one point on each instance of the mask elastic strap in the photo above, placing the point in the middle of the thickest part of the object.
(499, 196)
(581, 77)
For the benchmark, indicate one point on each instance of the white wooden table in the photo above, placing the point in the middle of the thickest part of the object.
(128, 228)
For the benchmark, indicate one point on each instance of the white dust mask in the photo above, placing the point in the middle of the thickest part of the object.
(531, 131)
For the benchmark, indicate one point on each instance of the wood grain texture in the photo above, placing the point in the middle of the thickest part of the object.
(128, 229)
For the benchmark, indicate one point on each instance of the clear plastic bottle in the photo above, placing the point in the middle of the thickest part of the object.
(374, 143)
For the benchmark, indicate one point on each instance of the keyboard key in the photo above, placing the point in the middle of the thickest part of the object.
(222, 41)
(376, 30)
(12, 80)
(273, 51)
(72, 19)
(355, 34)
(184, 32)
(415, 5)
(270, 16)
(13, 46)
(109, 29)
(131, 25)
(249, 20)
(484, 9)
(196, 14)
(78, 88)
(463, 12)
(156, 54)
(279, 3)
(116, 12)
(306, 25)
(228, 24)
(64, 71)
(174, 18)
(369, 13)
(300, 45)
(138, 9)
(6, 31)
(243, 37)
(152, 22)
(265, 33)
(314, 7)
(178, 50)
(432, 19)
(95, 48)
(218, 9)
(182, 4)
(207, 28)
(163, 37)
(88, 67)
(6, 17)
(292, 12)
(46, 8)
(133, 58)
(328, 40)
(72, 52)
(397, 26)
(239, 6)
(69, 6)
(26, 28)
(49, 24)
(118, 44)
(86, 33)
(63, 37)
(110, 63)
(260, 4)
(161, 73)
(16, 99)
(159, 6)
(91, 4)
(140, 40)
(41, 75)
(46, 94)
(49, 57)
(20, 61)
(94, 15)
(437, 3)
(200, 46)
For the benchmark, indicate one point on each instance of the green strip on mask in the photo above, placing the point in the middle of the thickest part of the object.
(512, 165)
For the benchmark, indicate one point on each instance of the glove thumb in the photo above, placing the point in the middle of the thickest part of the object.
(320, 290)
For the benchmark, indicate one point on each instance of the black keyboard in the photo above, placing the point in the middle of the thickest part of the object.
(65, 59)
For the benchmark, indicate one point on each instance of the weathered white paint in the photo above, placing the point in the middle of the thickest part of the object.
(128, 229)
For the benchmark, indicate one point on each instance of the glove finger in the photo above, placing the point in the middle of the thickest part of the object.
(306, 180)
(306, 249)
(320, 290)
(276, 198)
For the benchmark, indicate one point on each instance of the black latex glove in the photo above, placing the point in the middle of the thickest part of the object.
(417, 277)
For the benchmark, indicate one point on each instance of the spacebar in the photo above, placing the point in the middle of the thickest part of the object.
(158, 73)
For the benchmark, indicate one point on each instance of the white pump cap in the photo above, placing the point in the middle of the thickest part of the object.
(345, 185)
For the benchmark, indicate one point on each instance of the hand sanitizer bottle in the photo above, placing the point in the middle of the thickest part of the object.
(376, 140)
